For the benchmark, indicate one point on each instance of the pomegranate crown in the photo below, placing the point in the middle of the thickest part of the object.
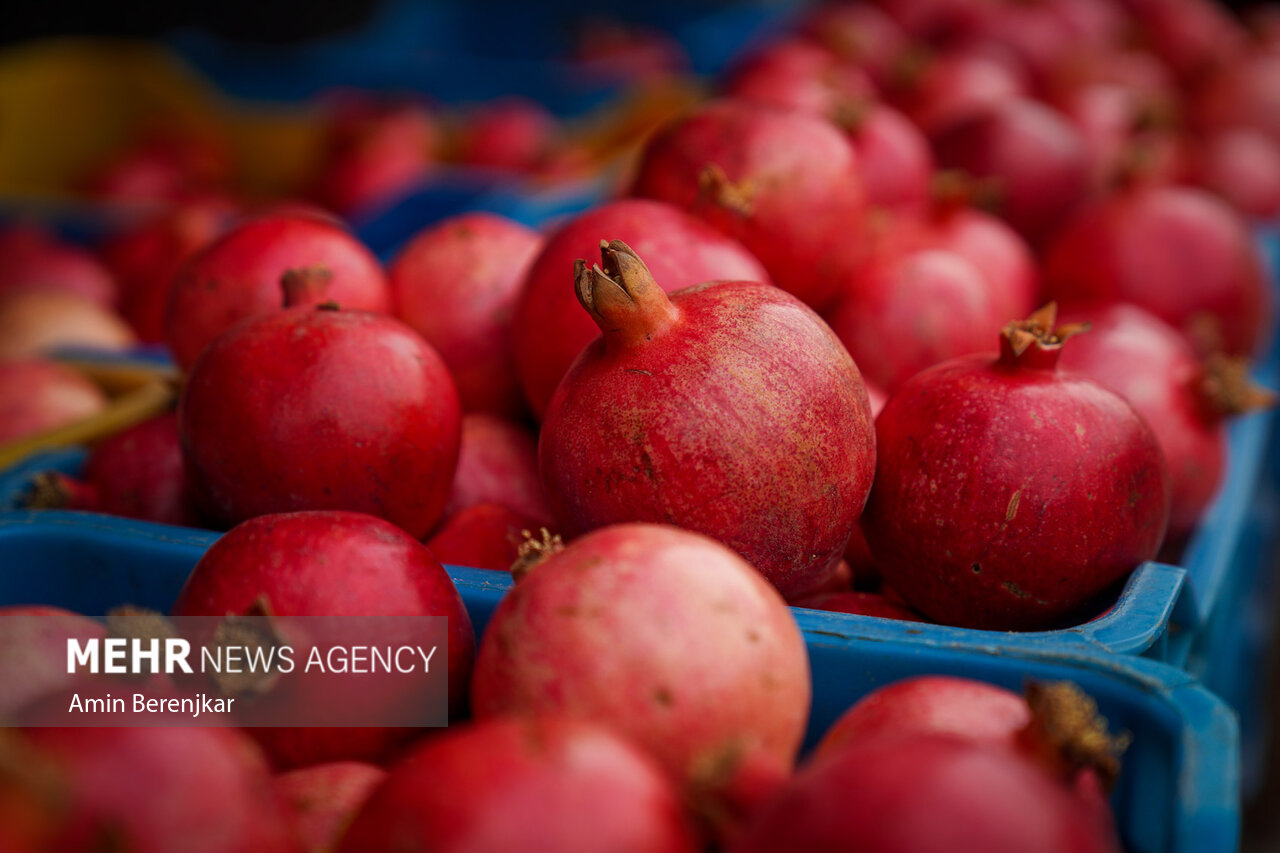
(1227, 389)
(1036, 341)
(1068, 734)
(621, 296)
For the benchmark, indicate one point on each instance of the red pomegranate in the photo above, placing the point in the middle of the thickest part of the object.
(38, 395)
(508, 133)
(33, 652)
(799, 75)
(375, 150)
(323, 798)
(1054, 488)
(313, 408)
(729, 409)
(240, 275)
(498, 463)
(549, 329)
(35, 258)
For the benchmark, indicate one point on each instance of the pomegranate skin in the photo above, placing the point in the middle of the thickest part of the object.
(930, 305)
(1242, 166)
(957, 85)
(549, 329)
(927, 794)
(33, 652)
(322, 799)
(704, 666)
(539, 783)
(239, 276)
(743, 418)
(995, 250)
(1008, 495)
(310, 408)
(38, 395)
(897, 163)
(932, 704)
(375, 151)
(498, 463)
(788, 185)
(138, 473)
(36, 258)
(1178, 252)
(330, 564)
(456, 284)
(858, 603)
(1148, 363)
(508, 133)
(797, 75)
(482, 536)
(1038, 159)
(155, 790)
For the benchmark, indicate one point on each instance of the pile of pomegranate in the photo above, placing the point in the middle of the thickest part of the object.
(934, 311)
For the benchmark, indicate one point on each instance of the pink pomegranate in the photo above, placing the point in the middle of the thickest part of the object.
(1192, 36)
(33, 651)
(508, 133)
(858, 603)
(35, 258)
(1185, 401)
(728, 409)
(927, 306)
(153, 790)
(549, 329)
(482, 536)
(1178, 252)
(313, 408)
(1034, 156)
(799, 75)
(323, 798)
(498, 463)
(240, 275)
(859, 33)
(146, 258)
(332, 564)
(38, 395)
(704, 667)
(955, 85)
(1054, 487)
(928, 793)
(788, 186)
(375, 151)
(456, 283)
(537, 783)
(1242, 166)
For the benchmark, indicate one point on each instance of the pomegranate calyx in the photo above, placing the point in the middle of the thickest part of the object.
(621, 296)
(1036, 341)
(255, 628)
(128, 622)
(1227, 390)
(1067, 734)
(305, 285)
(534, 550)
(48, 490)
(736, 197)
(849, 114)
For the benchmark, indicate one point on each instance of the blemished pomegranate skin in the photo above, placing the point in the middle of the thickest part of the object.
(311, 408)
(1009, 493)
(729, 409)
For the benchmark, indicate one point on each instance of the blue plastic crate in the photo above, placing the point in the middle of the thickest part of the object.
(1177, 793)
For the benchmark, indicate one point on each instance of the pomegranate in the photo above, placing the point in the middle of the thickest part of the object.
(312, 408)
(857, 32)
(375, 151)
(955, 85)
(331, 564)
(1241, 93)
(928, 793)
(1147, 362)
(929, 306)
(145, 259)
(1242, 166)
(541, 783)
(859, 603)
(1035, 157)
(1191, 36)
(787, 185)
(38, 395)
(508, 133)
(1178, 252)
(239, 276)
(549, 329)
(165, 163)
(897, 164)
(704, 666)
(456, 283)
(498, 463)
(729, 409)
(35, 321)
(1054, 488)
(482, 536)
(322, 799)
(37, 259)
(798, 75)
(138, 473)
(151, 790)
(33, 652)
